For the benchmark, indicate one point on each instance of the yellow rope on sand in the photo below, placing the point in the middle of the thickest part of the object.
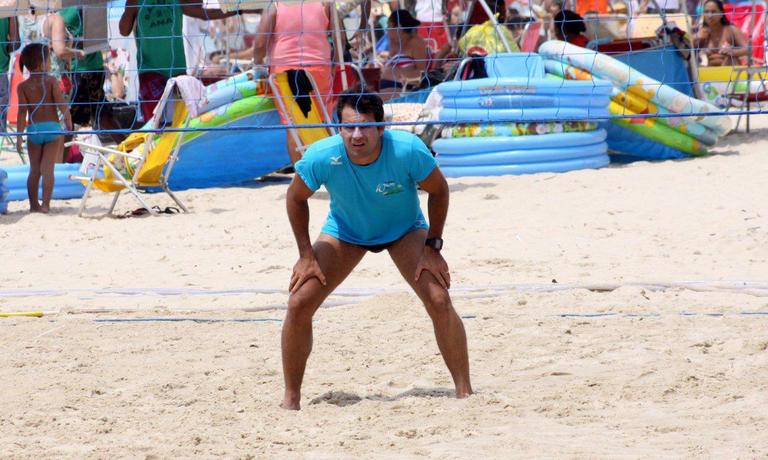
(37, 314)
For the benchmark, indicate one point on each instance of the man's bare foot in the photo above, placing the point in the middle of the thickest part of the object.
(45, 209)
(35, 209)
(291, 403)
(463, 393)
(286, 407)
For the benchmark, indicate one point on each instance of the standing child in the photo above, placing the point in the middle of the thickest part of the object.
(40, 97)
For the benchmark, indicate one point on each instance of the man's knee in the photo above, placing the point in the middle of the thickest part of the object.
(439, 304)
(301, 307)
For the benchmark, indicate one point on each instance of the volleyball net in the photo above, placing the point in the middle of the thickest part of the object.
(112, 60)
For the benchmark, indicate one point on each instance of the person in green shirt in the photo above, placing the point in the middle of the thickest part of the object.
(87, 74)
(156, 24)
(9, 42)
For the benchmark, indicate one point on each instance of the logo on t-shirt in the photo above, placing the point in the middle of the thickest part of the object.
(336, 161)
(389, 188)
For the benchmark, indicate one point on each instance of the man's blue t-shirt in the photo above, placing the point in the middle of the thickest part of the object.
(373, 204)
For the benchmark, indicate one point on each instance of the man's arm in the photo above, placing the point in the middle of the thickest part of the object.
(298, 214)
(431, 260)
(128, 19)
(13, 35)
(263, 35)
(437, 204)
(296, 204)
(59, 39)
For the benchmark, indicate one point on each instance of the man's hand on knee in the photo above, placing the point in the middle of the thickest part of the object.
(433, 262)
(305, 269)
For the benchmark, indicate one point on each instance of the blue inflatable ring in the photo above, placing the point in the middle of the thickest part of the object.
(525, 86)
(523, 156)
(474, 145)
(519, 101)
(527, 168)
(63, 187)
(518, 115)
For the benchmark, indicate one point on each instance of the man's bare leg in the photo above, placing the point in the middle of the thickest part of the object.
(449, 329)
(336, 260)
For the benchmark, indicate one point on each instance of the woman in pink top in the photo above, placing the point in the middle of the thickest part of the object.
(296, 37)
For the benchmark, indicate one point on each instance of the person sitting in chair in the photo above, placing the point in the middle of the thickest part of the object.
(721, 42)
(409, 56)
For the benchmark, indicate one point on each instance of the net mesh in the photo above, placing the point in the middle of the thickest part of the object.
(659, 60)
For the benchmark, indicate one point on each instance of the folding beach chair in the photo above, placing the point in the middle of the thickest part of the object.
(750, 19)
(297, 99)
(144, 161)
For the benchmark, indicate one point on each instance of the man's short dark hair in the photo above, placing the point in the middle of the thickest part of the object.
(33, 55)
(362, 102)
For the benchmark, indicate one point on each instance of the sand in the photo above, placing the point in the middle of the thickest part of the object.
(583, 338)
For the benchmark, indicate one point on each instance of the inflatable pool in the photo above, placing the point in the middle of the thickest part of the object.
(472, 145)
(3, 192)
(518, 101)
(563, 89)
(528, 96)
(518, 120)
(527, 168)
(526, 114)
(630, 80)
(499, 155)
(517, 157)
(63, 188)
(517, 129)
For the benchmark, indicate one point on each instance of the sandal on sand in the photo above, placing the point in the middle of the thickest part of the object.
(144, 211)
(167, 210)
(135, 213)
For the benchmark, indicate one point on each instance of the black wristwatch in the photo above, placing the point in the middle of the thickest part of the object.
(434, 243)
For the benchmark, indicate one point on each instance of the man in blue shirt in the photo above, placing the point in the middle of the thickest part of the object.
(371, 175)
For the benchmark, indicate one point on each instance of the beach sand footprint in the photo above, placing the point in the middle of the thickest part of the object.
(337, 398)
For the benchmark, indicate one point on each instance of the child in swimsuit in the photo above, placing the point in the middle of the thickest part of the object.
(40, 103)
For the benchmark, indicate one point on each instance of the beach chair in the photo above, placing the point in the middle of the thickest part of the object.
(750, 19)
(297, 99)
(144, 161)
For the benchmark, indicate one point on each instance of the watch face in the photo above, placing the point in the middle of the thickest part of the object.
(435, 243)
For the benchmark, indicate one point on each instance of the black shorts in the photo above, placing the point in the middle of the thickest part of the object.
(88, 97)
(375, 248)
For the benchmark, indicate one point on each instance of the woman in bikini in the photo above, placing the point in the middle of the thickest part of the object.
(721, 42)
(409, 55)
(41, 108)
